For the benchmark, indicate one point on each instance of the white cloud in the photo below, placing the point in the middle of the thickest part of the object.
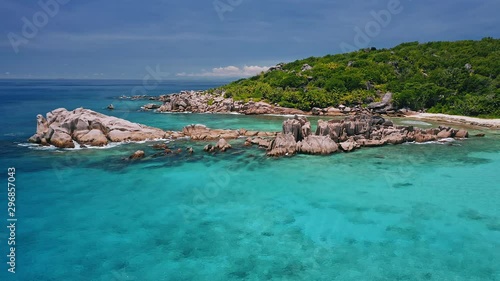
(228, 71)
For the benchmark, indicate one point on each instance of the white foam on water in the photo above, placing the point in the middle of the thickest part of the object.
(446, 140)
(27, 144)
(427, 142)
(115, 144)
(35, 146)
(108, 146)
(441, 141)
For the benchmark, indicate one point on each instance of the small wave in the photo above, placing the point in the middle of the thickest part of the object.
(427, 142)
(108, 146)
(35, 146)
(27, 144)
(115, 144)
(446, 140)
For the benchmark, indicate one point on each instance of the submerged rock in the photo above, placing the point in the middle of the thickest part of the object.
(209, 148)
(160, 146)
(150, 106)
(223, 145)
(261, 142)
(137, 155)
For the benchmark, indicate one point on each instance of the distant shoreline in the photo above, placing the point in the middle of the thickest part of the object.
(203, 102)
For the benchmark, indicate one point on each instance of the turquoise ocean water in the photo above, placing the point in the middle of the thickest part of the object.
(408, 212)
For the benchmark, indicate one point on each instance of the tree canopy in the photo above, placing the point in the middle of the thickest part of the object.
(442, 77)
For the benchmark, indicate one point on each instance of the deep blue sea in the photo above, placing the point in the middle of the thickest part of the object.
(407, 212)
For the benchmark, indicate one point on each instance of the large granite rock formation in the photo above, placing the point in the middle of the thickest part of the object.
(353, 132)
(317, 145)
(299, 127)
(384, 106)
(294, 131)
(63, 128)
(283, 145)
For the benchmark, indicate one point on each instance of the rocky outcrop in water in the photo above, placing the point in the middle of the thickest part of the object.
(222, 145)
(137, 155)
(203, 102)
(63, 128)
(283, 145)
(349, 134)
(299, 127)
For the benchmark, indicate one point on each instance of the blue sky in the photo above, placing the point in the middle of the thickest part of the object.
(191, 39)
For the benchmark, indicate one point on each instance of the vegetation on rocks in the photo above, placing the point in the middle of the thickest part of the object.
(439, 77)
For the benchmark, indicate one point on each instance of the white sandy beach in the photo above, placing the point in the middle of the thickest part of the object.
(490, 123)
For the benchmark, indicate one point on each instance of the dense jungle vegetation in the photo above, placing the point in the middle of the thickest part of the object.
(442, 77)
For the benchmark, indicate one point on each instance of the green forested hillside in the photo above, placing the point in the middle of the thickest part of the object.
(447, 77)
